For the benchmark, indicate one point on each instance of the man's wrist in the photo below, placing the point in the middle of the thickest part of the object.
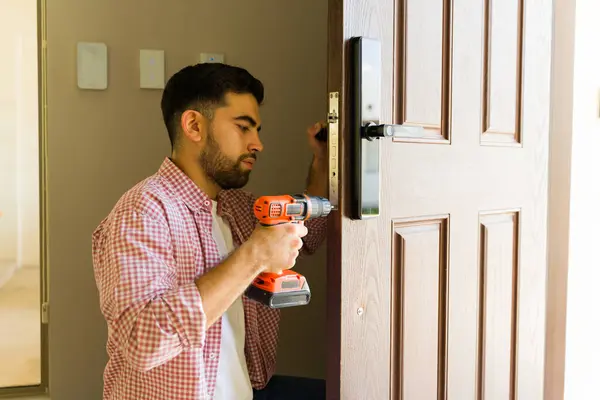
(316, 183)
(319, 163)
(250, 254)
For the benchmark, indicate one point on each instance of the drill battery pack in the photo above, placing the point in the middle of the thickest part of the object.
(287, 289)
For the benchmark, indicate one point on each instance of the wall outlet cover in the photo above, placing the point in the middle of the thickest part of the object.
(92, 66)
(152, 69)
(212, 58)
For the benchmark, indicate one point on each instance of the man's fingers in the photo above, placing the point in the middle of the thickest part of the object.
(301, 230)
(313, 130)
(297, 229)
(297, 244)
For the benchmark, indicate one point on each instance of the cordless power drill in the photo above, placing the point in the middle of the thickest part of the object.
(289, 288)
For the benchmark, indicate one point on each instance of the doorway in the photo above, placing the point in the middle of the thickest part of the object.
(22, 267)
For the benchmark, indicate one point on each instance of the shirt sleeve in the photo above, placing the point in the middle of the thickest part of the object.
(152, 317)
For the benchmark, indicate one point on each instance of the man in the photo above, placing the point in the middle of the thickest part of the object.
(175, 255)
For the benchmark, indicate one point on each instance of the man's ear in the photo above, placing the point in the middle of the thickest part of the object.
(192, 125)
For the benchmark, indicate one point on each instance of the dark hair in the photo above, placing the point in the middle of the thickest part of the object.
(202, 87)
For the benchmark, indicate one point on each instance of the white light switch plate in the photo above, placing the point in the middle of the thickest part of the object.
(212, 58)
(92, 66)
(152, 69)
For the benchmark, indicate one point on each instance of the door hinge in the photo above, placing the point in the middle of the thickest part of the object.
(333, 117)
(45, 313)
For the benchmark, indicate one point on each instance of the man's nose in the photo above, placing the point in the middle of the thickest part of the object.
(255, 144)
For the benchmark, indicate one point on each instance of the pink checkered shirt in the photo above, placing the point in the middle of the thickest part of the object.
(147, 253)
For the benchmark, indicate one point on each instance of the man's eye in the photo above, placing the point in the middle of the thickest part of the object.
(244, 128)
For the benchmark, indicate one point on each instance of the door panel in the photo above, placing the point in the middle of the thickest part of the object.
(419, 304)
(423, 61)
(498, 277)
(442, 296)
(503, 42)
(422, 73)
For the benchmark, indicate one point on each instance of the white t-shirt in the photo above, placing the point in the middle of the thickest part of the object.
(233, 382)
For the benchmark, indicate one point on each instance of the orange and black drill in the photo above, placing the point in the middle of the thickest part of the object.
(289, 288)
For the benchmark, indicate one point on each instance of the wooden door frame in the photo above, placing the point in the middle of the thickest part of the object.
(558, 207)
(559, 193)
(336, 65)
(42, 67)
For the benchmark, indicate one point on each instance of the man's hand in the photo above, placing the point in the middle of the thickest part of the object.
(268, 249)
(317, 183)
(277, 247)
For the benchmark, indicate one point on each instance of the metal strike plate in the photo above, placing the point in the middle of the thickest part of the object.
(333, 119)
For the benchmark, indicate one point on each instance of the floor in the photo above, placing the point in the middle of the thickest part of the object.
(20, 329)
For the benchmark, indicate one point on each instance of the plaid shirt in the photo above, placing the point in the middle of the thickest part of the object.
(147, 254)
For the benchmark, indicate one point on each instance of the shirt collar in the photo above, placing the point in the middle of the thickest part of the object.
(182, 186)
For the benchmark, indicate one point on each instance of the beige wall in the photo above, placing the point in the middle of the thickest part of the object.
(102, 142)
(19, 160)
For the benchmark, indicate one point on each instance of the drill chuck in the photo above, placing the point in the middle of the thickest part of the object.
(319, 207)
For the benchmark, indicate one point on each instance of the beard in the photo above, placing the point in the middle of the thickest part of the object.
(226, 173)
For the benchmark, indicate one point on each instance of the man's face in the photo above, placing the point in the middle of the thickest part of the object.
(232, 142)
